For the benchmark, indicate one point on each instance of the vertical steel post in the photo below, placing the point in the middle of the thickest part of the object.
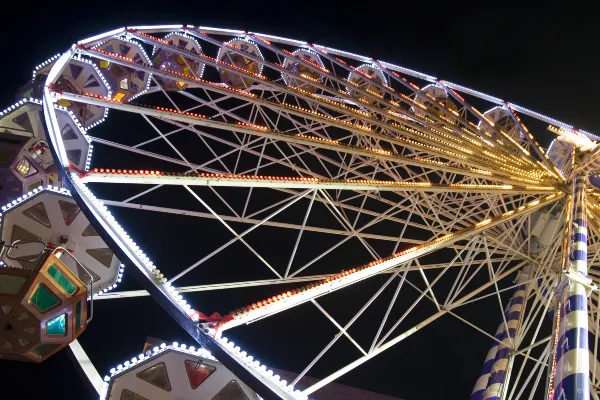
(572, 380)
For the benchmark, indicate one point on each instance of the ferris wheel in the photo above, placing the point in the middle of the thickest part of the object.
(278, 166)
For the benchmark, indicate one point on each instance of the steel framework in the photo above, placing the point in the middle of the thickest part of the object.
(422, 190)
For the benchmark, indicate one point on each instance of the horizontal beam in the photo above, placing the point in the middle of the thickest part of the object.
(222, 180)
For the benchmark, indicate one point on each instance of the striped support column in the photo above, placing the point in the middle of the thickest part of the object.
(572, 380)
(490, 381)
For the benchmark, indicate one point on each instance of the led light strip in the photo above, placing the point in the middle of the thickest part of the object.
(143, 262)
(209, 179)
(45, 63)
(62, 191)
(182, 34)
(249, 360)
(263, 131)
(292, 298)
(18, 104)
(185, 77)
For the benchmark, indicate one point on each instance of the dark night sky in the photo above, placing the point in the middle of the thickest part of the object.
(544, 59)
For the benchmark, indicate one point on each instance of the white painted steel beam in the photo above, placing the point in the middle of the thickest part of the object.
(218, 180)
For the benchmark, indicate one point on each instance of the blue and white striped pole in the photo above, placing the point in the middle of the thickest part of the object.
(490, 383)
(572, 380)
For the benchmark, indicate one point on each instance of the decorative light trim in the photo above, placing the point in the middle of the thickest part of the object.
(103, 79)
(83, 132)
(19, 104)
(243, 39)
(110, 173)
(183, 34)
(45, 63)
(229, 346)
(125, 38)
(291, 59)
(358, 70)
(62, 191)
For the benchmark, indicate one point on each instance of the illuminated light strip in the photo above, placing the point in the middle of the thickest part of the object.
(45, 63)
(293, 42)
(258, 130)
(292, 298)
(62, 191)
(18, 104)
(104, 81)
(343, 53)
(308, 93)
(261, 60)
(548, 166)
(220, 31)
(408, 71)
(102, 36)
(539, 116)
(554, 351)
(227, 180)
(82, 131)
(325, 49)
(265, 373)
(155, 28)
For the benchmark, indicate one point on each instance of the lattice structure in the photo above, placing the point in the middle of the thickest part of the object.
(328, 171)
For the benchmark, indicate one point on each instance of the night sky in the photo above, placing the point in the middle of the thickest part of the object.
(543, 59)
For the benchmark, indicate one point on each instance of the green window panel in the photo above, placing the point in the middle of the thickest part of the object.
(78, 314)
(43, 299)
(57, 326)
(61, 279)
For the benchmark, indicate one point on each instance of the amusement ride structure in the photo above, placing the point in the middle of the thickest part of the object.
(327, 170)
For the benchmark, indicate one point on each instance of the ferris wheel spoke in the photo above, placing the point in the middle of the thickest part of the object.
(399, 338)
(174, 115)
(478, 246)
(345, 279)
(142, 177)
(237, 236)
(545, 162)
(354, 318)
(246, 220)
(536, 371)
(263, 80)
